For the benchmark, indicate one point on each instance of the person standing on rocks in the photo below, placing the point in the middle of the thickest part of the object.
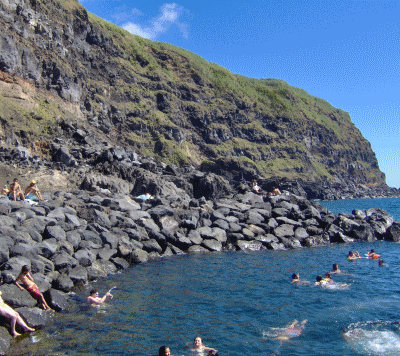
(15, 190)
(9, 313)
(31, 286)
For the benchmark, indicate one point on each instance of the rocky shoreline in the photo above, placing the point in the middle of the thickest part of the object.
(77, 237)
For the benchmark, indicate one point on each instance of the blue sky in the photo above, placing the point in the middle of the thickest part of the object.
(346, 52)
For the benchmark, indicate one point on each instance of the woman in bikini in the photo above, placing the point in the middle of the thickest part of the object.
(31, 286)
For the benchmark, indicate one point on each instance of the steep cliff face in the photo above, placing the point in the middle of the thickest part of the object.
(62, 67)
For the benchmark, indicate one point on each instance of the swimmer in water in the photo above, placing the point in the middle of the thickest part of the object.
(320, 281)
(336, 269)
(327, 278)
(296, 279)
(353, 256)
(198, 346)
(381, 263)
(164, 351)
(372, 255)
(94, 299)
(292, 330)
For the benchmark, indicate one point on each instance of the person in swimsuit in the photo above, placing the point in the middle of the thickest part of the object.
(9, 313)
(32, 192)
(292, 330)
(372, 255)
(5, 190)
(327, 278)
(336, 269)
(31, 286)
(95, 300)
(164, 351)
(320, 281)
(198, 345)
(15, 191)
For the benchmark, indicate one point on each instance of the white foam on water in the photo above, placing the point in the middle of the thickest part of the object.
(374, 342)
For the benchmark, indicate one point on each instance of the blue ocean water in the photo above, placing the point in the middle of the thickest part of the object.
(391, 205)
(238, 303)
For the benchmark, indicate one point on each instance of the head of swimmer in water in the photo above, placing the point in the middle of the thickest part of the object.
(164, 351)
(380, 262)
(198, 341)
(327, 275)
(319, 278)
(94, 293)
(295, 276)
(335, 267)
(372, 251)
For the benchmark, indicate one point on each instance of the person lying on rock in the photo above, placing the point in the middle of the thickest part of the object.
(32, 192)
(145, 196)
(31, 286)
(94, 299)
(15, 191)
(9, 313)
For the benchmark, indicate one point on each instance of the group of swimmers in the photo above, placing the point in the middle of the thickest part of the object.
(14, 191)
(327, 280)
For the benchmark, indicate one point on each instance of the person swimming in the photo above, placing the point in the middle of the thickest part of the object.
(336, 269)
(320, 281)
(198, 346)
(327, 278)
(94, 299)
(296, 279)
(372, 255)
(353, 256)
(289, 331)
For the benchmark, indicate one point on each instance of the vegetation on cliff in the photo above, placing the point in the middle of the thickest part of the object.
(63, 66)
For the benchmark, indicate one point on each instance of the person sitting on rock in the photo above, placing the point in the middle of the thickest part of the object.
(32, 192)
(255, 187)
(9, 313)
(31, 286)
(274, 192)
(94, 299)
(5, 190)
(15, 191)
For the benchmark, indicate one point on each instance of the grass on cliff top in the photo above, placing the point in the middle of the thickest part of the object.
(271, 96)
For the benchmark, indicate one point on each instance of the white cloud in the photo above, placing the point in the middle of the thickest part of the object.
(169, 16)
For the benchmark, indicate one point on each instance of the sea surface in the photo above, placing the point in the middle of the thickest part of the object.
(239, 303)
